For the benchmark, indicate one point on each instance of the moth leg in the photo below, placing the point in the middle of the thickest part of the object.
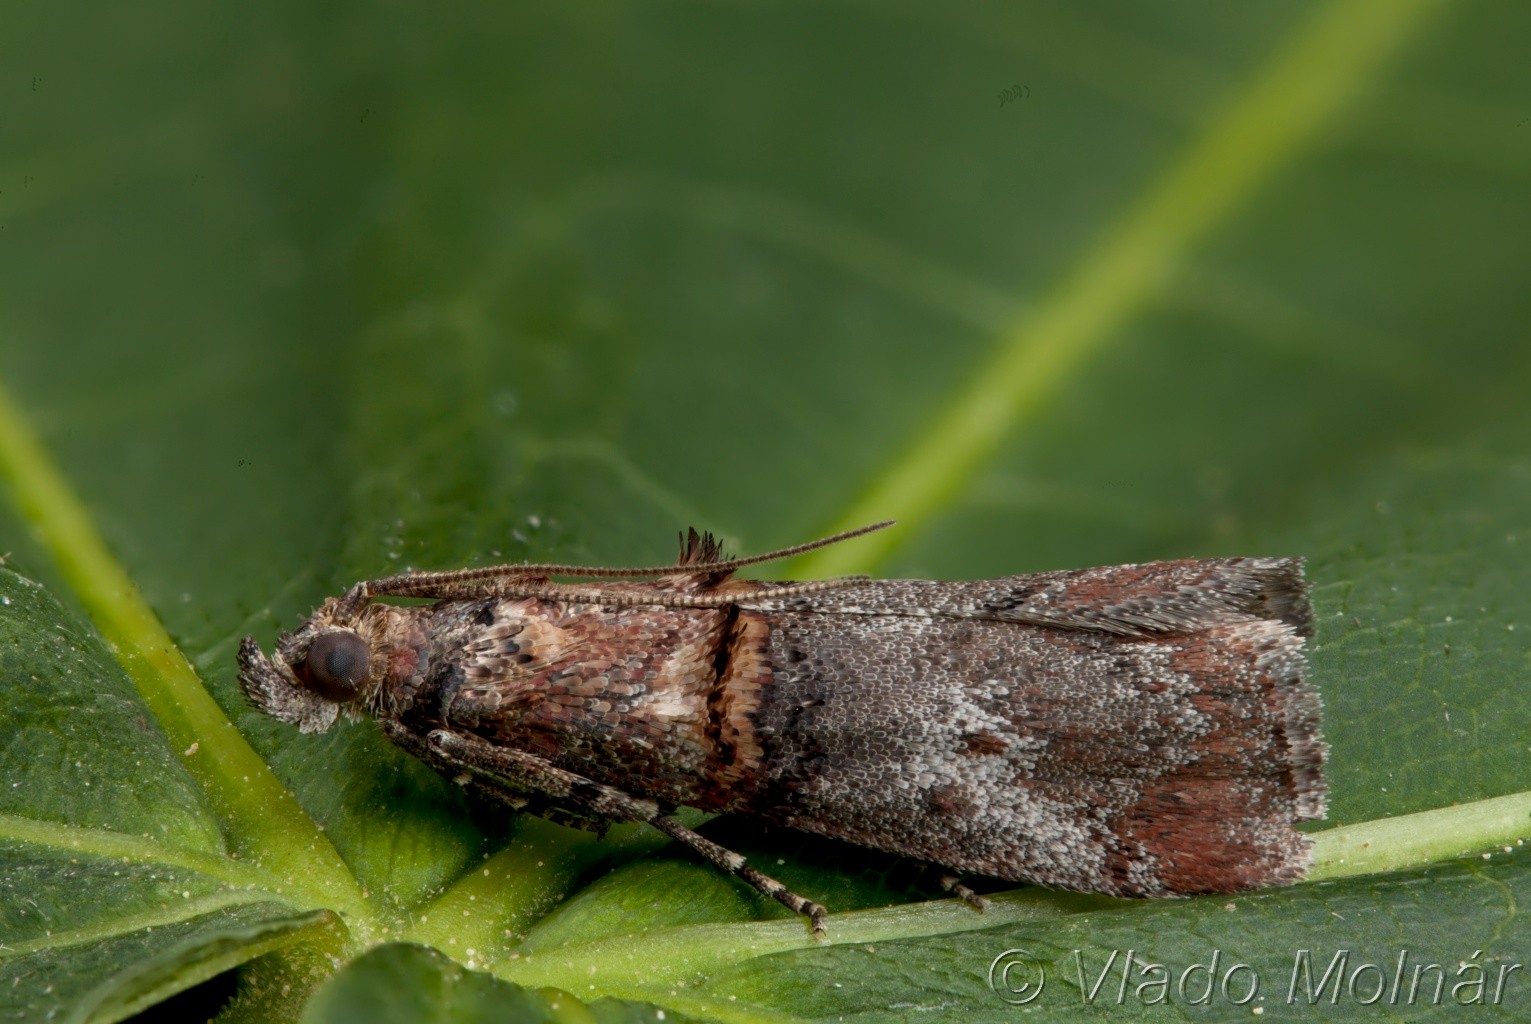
(491, 787)
(735, 864)
(953, 884)
(537, 805)
(529, 770)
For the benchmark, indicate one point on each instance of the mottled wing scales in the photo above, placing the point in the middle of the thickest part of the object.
(1144, 767)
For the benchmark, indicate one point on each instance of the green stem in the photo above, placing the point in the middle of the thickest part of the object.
(1428, 837)
(261, 819)
(1276, 120)
(490, 907)
(627, 965)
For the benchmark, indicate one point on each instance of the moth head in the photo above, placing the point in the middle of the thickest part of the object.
(317, 671)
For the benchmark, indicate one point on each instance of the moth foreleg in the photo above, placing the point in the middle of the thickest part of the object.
(490, 786)
(522, 768)
(413, 743)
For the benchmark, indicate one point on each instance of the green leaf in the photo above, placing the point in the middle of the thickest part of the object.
(71, 705)
(399, 984)
(294, 299)
(115, 887)
(106, 975)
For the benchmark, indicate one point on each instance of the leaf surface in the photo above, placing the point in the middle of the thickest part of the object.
(294, 299)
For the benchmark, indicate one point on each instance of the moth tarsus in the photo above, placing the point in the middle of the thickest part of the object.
(1139, 730)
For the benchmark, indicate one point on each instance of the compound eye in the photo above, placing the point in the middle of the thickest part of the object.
(336, 665)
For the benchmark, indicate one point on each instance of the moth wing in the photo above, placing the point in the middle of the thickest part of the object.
(1153, 598)
(1141, 766)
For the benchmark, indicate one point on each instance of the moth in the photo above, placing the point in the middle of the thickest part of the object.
(1138, 730)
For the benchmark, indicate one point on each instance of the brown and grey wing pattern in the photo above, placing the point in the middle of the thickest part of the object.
(1168, 762)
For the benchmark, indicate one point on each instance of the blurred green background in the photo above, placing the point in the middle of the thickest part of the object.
(297, 294)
